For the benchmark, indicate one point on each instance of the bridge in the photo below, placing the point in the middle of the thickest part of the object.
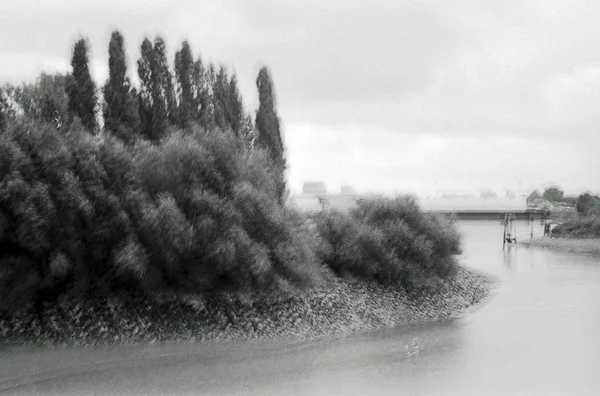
(461, 208)
(483, 208)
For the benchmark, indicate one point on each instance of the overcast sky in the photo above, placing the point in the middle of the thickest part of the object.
(407, 96)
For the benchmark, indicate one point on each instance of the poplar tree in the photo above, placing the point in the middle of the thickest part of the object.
(267, 120)
(211, 82)
(81, 89)
(236, 107)
(3, 111)
(156, 98)
(204, 115)
(221, 99)
(164, 80)
(186, 74)
(146, 105)
(268, 127)
(121, 116)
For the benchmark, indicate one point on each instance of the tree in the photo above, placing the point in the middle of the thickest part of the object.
(204, 115)
(267, 124)
(248, 132)
(185, 75)
(553, 194)
(221, 99)
(164, 79)
(236, 108)
(588, 204)
(45, 100)
(157, 97)
(121, 116)
(81, 89)
(3, 110)
(146, 105)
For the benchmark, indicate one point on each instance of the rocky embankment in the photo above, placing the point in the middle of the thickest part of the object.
(340, 307)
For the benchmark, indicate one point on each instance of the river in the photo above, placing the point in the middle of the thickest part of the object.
(538, 334)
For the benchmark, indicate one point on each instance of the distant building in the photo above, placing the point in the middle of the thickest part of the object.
(314, 187)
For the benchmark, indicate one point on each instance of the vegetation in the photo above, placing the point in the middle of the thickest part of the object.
(267, 124)
(553, 194)
(586, 224)
(81, 89)
(195, 212)
(172, 188)
(582, 227)
(389, 240)
(588, 205)
(121, 117)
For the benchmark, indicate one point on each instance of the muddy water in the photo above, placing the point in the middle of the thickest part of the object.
(539, 334)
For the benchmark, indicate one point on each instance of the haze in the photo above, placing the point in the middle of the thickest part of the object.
(390, 96)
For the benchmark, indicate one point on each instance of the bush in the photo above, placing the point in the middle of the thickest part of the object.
(588, 205)
(389, 240)
(584, 227)
(196, 212)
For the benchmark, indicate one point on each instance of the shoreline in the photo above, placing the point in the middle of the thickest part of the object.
(340, 308)
(571, 245)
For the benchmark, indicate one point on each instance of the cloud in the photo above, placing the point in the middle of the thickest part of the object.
(380, 87)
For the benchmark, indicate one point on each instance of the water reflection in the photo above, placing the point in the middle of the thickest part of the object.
(509, 254)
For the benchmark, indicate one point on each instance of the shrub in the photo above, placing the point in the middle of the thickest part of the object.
(584, 227)
(390, 240)
(222, 228)
(588, 205)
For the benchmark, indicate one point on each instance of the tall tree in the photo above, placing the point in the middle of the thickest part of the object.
(81, 89)
(268, 127)
(157, 97)
(211, 82)
(267, 120)
(236, 108)
(204, 115)
(120, 112)
(146, 106)
(185, 74)
(3, 110)
(221, 99)
(164, 79)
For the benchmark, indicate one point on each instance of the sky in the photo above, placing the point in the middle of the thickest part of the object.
(414, 97)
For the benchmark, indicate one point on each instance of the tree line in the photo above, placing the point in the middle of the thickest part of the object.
(191, 93)
(171, 185)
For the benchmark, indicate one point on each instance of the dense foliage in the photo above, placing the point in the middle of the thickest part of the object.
(196, 212)
(583, 227)
(178, 192)
(81, 89)
(267, 124)
(553, 194)
(120, 112)
(390, 240)
(586, 223)
(588, 204)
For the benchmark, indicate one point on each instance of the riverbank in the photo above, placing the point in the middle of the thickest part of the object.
(573, 245)
(342, 306)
